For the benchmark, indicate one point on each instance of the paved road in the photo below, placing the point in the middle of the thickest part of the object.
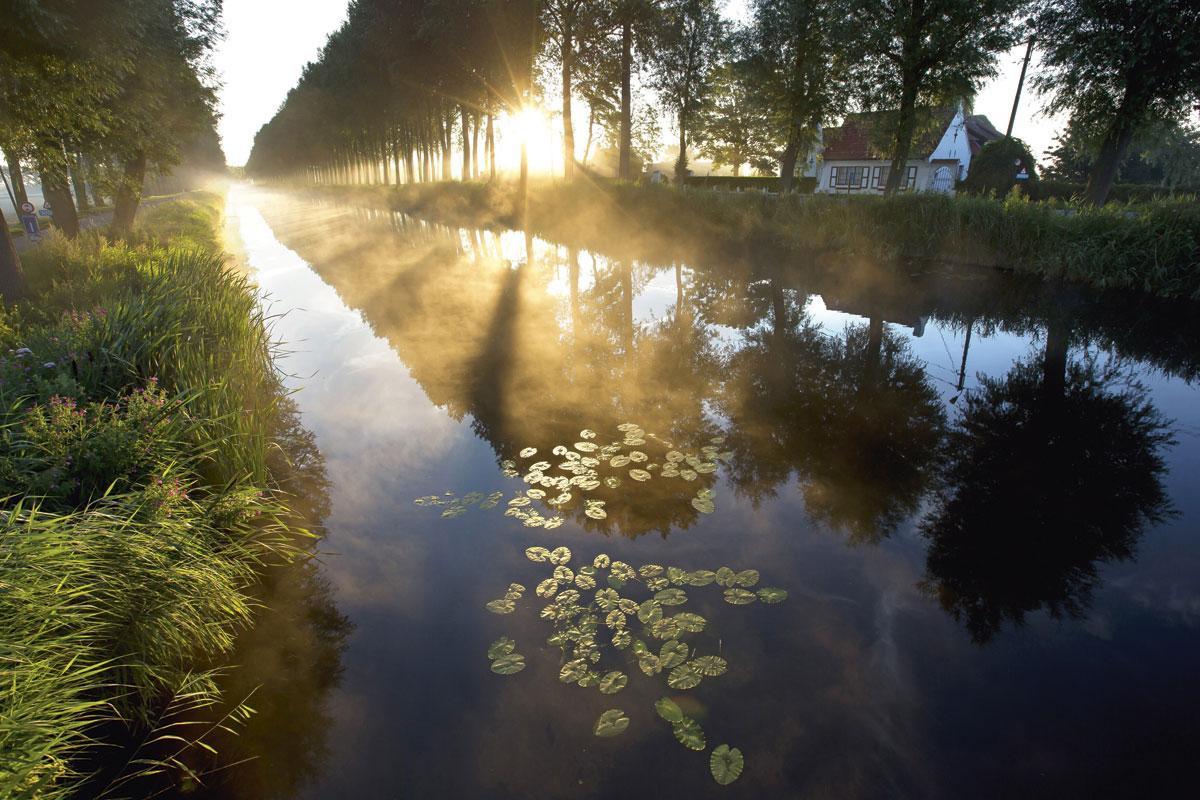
(98, 219)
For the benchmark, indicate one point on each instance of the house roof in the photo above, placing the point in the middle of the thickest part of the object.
(855, 139)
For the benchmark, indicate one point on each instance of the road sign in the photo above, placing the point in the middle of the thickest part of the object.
(27, 207)
(30, 222)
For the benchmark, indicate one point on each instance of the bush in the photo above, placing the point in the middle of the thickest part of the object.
(1120, 193)
(994, 169)
(801, 185)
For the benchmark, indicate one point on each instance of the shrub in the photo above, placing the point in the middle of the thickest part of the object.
(994, 169)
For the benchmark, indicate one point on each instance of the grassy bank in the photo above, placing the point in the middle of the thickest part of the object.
(1153, 247)
(138, 408)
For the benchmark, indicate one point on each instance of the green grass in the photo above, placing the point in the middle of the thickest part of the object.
(138, 411)
(1152, 247)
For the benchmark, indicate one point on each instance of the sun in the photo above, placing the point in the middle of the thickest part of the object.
(533, 126)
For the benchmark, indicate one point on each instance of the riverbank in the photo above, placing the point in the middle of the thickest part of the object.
(1154, 248)
(143, 492)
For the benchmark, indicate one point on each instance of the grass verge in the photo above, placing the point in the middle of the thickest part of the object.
(139, 409)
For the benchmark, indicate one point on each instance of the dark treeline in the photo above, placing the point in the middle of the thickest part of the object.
(405, 87)
(100, 94)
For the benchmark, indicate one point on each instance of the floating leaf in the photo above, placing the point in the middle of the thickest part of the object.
(689, 622)
(591, 677)
(684, 676)
(547, 588)
(649, 664)
(657, 584)
(623, 571)
(601, 561)
(689, 733)
(607, 599)
(676, 575)
(625, 427)
(726, 764)
(650, 570)
(528, 452)
(772, 594)
(726, 576)
(563, 574)
(628, 607)
(613, 682)
(621, 639)
(739, 597)
(669, 710)
(502, 606)
(637, 456)
(612, 481)
(710, 666)
(596, 512)
(509, 664)
(640, 474)
(615, 619)
(616, 462)
(671, 597)
(611, 723)
(746, 578)
(665, 628)
(587, 434)
(701, 577)
(649, 611)
(672, 654)
(501, 647)
(586, 447)
(572, 671)
(585, 581)
(560, 555)
(703, 505)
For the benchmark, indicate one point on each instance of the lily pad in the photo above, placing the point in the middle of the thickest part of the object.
(726, 576)
(669, 710)
(726, 764)
(710, 666)
(563, 574)
(689, 622)
(700, 577)
(650, 570)
(596, 512)
(739, 597)
(501, 606)
(746, 578)
(611, 723)
(689, 733)
(547, 588)
(528, 452)
(684, 676)
(672, 654)
(613, 682)
(772, 594)
(601, 561)
(649, 612)
(509, 664)
(703, 505)
(665, 628)
(621, 639)
(501, 647)
(671, 597)
(572, 671)
(559, 556)
(657, 584)
(616, 462)
(649, 664)
(640, 474)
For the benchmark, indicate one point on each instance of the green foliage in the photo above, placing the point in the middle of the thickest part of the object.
(139, 407)
(994, 170)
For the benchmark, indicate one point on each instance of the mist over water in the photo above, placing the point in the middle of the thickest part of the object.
(979, 497)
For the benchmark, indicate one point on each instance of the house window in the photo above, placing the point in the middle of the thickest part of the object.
(849, 177)
(881, 176)
(910, 178)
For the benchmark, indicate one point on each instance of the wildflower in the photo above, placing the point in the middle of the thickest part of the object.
(23, 351)
(49, 365)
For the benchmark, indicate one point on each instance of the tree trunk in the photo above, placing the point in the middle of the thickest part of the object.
(129, 194)
(787, 161)
(568, 124)
(625, 160)
(587, 148)
(58, 194)
(466, 143)
(523, 185)
(491, 148)
(18, 179)
(903, 143)
(1112, 153)
(79, 179)
(12, 277)
(475, 170)
(681, 170)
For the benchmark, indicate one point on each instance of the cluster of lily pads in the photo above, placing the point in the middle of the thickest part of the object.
(647, 630)
(582, 469)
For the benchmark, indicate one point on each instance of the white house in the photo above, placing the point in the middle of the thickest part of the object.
(852, 161)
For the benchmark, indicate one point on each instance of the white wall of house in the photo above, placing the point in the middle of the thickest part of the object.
(954, 145)
(875, 176)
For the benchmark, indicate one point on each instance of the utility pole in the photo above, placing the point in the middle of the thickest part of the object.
(1020, 84)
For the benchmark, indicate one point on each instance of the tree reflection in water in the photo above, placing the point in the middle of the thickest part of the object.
(1051, 470)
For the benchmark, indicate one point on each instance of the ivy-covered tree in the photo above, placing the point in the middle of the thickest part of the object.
(1117, 65)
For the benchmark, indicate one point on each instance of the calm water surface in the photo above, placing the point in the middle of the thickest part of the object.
(980, 496)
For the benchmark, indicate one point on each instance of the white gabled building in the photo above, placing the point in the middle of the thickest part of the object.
(852, 163)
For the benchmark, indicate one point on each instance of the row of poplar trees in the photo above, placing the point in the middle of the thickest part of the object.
(119, 87)
(405, 83)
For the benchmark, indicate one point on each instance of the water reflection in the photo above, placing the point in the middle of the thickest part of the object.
(1052, 469)
(534, 342)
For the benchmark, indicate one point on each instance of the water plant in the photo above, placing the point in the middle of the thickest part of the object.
(591, 624)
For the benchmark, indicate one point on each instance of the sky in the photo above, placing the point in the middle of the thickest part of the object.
(268, 42)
